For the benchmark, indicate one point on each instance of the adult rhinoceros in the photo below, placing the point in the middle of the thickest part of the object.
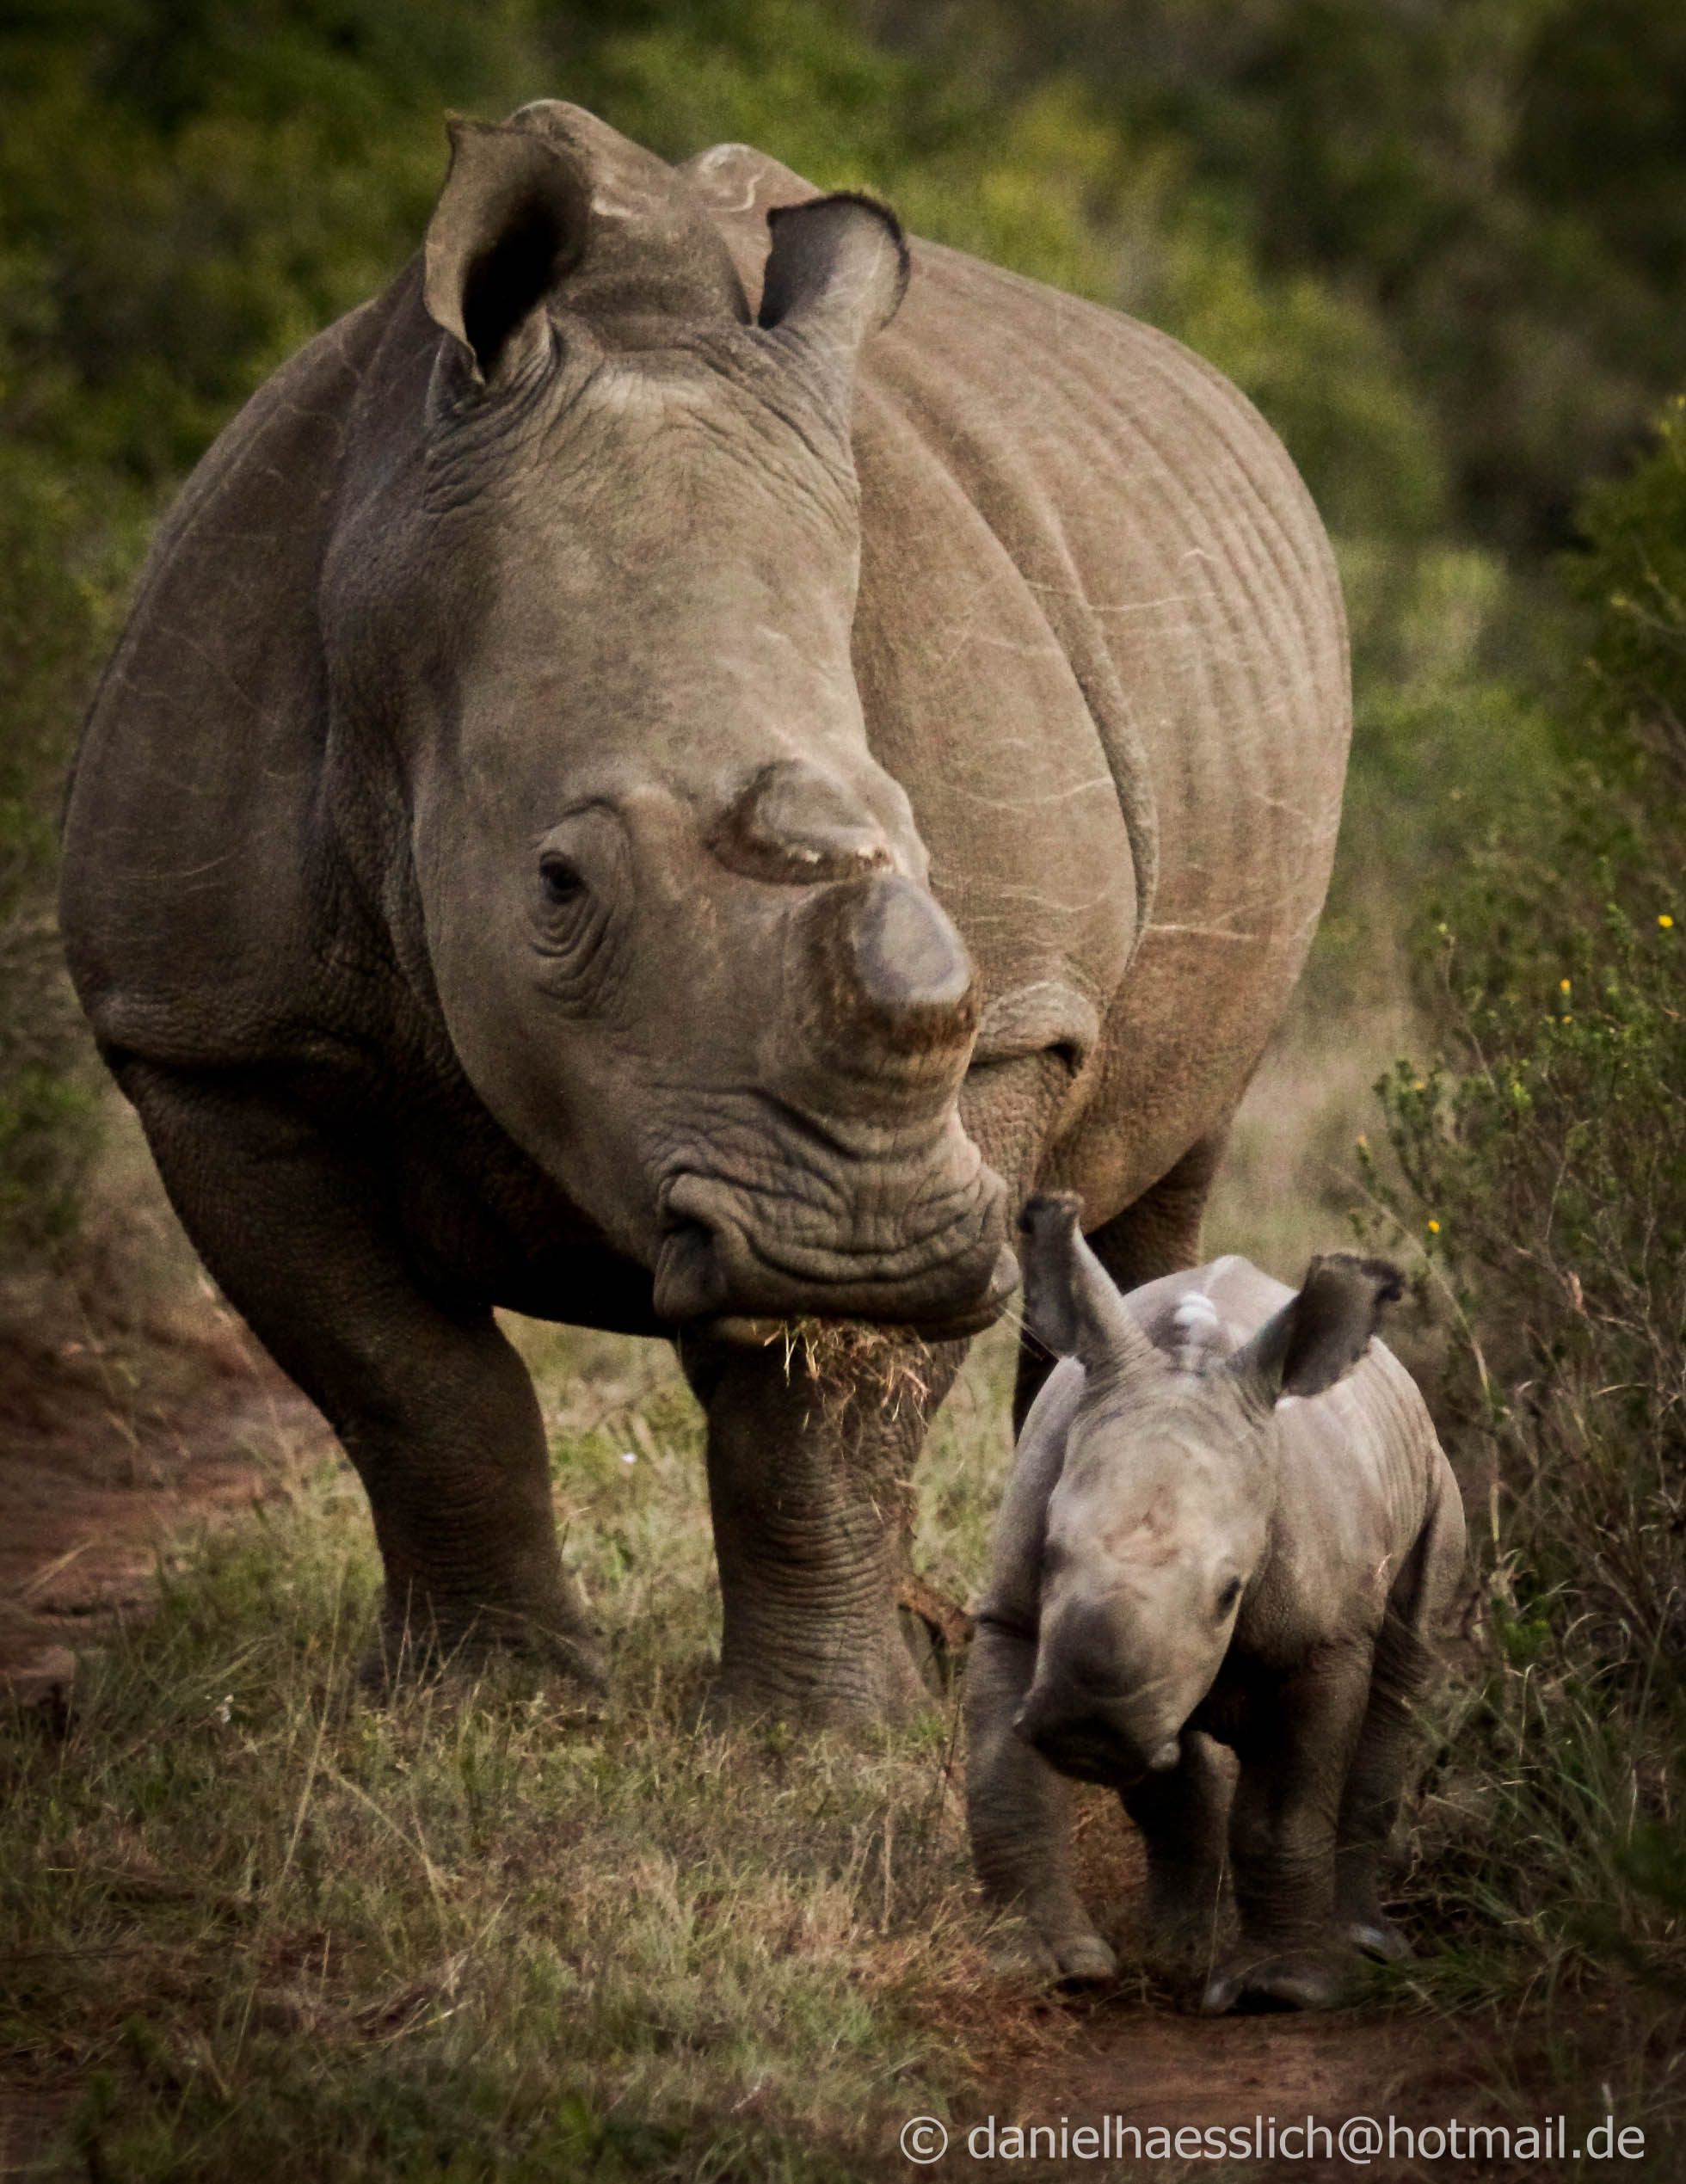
(632, 794)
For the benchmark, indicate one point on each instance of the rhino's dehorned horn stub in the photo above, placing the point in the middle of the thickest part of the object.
(892, 984)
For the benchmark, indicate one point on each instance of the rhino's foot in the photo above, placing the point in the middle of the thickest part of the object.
(728, 1706)
(1184, 1924)
(876, 1686)
(1180, 1951)
(1072, 1956)
(1305, 1980)
(413, 1651)
(1376, 1935)
(1085, 1961)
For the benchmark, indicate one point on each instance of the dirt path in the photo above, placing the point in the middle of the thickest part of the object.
(112, 1471)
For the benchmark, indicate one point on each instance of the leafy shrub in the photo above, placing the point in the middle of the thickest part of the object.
(55, 617)
(1542, 1165)
(1634, 579)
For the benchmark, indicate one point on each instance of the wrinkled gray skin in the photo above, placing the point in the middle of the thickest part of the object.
(1229, 1524)
(638, 790)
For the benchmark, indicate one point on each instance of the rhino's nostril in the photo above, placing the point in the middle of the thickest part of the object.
(690, 1279)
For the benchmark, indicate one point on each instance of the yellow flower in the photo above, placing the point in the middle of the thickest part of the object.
(1562, 985)
(1665, 921)
(1568, 1019)
(1434, 1229)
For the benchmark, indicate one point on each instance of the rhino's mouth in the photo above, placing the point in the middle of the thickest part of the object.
(727, 1257)
(1090, 1749)
(1095, 1739)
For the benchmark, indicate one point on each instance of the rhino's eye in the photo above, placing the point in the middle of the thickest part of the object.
(1227, 1598)
(563, 883)
(579, 874)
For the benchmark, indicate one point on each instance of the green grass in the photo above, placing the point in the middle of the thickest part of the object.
(255, 1927)
(274, 1931)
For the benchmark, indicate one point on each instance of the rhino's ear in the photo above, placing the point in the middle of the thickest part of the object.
(837, 272)
(510, 222)
(1071, 1303)
(1320, 1334)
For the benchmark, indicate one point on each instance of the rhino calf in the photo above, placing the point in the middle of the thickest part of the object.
(1229, 1524)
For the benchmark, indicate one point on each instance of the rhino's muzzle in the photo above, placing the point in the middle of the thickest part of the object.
(710, 1265)
(1087, 1738)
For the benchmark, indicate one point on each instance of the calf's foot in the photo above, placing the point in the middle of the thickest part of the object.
(1301, 1979)
(1075, 1955)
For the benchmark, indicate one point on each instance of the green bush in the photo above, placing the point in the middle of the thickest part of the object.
(1541, 1167)
(56, 602)
(1634, 580)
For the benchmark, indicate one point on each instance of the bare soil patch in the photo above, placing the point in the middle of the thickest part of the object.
(123, 1445)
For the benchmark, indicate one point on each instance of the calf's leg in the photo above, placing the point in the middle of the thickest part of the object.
(1404, 1661)
(1184, 1817)
(1295, 1752)
(1018, 1813)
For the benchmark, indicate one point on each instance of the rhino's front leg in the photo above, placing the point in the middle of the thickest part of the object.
(1295, 1754)
(809, 1486)
(1018, 1813)
(432, 1405)
(1183, 1819)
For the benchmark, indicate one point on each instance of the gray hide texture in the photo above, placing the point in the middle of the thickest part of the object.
(1230, 1523)
(669, 809)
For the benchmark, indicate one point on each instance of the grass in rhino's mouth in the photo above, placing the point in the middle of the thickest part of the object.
(890, 1366)
(886, 1365)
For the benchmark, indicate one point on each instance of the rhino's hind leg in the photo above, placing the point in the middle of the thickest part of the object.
(1294, 1761)
(809, 1469)
(1373, 1786)
(1375, 1783)
(432, 1405)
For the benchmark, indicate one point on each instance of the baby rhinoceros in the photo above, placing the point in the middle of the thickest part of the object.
(1229, 1522)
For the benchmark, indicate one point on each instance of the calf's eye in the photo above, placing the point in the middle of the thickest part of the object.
(1228, 1596)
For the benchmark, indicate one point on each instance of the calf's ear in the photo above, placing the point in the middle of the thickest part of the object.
(1320, 1334)
(1071, 1303)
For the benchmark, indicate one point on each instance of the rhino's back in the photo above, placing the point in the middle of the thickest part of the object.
(1100, 642)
